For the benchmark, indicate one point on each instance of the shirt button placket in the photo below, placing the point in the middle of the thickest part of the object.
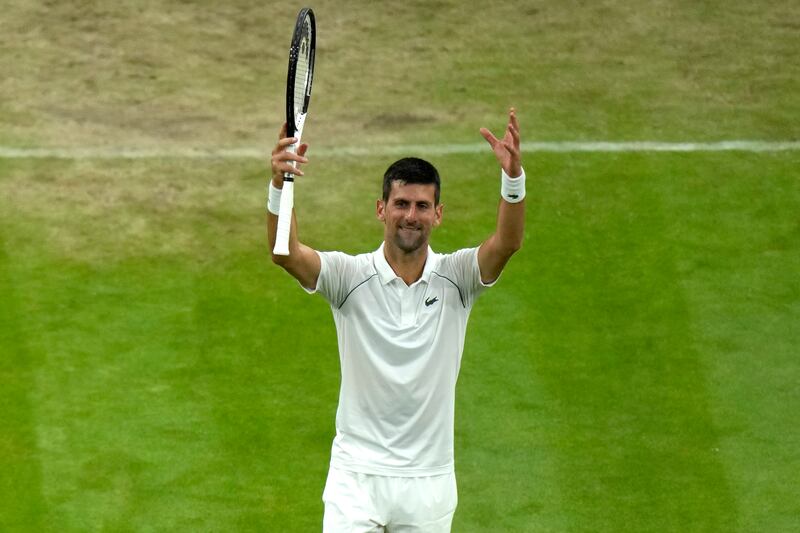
(406, 312)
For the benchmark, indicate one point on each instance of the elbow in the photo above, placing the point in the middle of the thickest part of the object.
(280, 260)
(513, 246)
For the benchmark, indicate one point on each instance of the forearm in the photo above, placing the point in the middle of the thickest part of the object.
(510, 229)
(303, 262)
(509, 233)
(272, 231)
(273, 208)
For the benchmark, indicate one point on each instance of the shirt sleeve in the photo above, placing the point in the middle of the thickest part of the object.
(337, 269)
(463, 266)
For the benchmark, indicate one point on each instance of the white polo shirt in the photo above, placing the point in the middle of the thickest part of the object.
(400, 350)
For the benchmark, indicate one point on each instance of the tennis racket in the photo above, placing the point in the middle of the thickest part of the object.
(298, 93)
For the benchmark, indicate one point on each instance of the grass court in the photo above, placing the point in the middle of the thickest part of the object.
(635, 369)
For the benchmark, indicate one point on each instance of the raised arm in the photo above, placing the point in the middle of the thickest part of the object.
(302, 262)
(495, 252)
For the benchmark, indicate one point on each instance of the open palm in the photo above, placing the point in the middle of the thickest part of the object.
(507, 149)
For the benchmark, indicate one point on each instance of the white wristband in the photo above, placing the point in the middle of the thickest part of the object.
(274, 199)
(512, 189)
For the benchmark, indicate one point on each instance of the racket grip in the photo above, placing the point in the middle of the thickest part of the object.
(284, 219)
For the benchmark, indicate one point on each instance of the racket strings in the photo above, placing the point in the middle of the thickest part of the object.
(303, 71)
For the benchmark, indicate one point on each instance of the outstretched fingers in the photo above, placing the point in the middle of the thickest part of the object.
(490, 138)
(512, 115)
(511, 141)
(512, 131)
(507, 150)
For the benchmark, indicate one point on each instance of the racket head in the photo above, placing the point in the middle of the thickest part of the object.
(301, 70)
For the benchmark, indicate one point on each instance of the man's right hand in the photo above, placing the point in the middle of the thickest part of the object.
(282, 158)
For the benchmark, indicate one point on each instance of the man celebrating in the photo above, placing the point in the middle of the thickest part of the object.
(401, 316)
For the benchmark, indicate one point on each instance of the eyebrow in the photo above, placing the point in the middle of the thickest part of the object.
(405, 199)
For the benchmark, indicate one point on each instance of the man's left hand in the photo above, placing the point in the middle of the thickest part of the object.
(507, 149)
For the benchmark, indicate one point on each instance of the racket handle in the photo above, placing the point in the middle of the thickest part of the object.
(284, 219)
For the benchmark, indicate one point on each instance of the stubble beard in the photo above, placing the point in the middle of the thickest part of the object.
(410, 243)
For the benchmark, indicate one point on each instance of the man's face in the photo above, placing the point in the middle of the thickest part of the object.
(408, 215)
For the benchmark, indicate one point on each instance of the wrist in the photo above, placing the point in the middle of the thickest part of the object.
(515, 172)
(512, 189)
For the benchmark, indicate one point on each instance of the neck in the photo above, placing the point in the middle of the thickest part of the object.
(408, 266)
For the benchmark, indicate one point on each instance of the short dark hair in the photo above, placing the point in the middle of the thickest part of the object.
(411, 170)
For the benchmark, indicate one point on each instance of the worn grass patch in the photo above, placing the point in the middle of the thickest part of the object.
(187, 74)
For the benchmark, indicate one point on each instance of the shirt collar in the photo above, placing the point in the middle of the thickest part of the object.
(386, 273)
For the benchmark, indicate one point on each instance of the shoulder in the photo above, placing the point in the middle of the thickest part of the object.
(456, 261)
(345, 258)
(345, 266)
(461, 269)
(340, 273)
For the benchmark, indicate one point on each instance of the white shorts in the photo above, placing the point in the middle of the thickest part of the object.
(364, 503)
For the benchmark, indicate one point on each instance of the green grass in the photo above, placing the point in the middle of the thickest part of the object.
(635, 369)
(633, 400)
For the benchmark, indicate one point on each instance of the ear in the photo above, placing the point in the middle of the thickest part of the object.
(439, 211)
(379, 210)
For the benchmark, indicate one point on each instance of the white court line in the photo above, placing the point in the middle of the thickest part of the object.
(8, 152)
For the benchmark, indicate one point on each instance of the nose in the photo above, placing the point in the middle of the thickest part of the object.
(411, 214)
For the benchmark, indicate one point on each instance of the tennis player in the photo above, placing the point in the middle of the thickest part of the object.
(401, 316)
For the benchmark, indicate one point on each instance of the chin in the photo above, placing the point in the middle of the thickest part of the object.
(409, 246)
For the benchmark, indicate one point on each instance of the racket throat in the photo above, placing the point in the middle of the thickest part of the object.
(299, 122)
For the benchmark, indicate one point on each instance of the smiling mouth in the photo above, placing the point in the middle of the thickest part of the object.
(409, 238)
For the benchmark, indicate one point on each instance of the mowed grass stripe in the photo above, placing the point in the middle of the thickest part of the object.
(266, 358)
(127, 436)
(739, 249)
(609, 421)
(22, 503)
(177, 152)
(634, 432)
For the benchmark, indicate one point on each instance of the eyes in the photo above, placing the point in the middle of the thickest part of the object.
(400, 203)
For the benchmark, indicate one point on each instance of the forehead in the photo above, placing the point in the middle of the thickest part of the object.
(413, 192)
